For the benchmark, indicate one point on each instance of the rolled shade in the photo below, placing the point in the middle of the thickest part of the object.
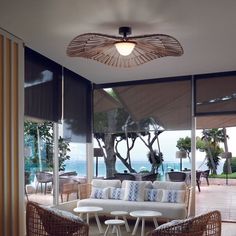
(215, 95)
(43, 79)
(168, 103)
(77, 107)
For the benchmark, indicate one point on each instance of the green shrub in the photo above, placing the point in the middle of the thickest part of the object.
(233, 165)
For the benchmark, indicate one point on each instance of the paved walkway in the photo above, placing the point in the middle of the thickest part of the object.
(218, 196)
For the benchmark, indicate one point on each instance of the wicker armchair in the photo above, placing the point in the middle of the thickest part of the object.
(177, 176)
(208, 224)
(43, 221)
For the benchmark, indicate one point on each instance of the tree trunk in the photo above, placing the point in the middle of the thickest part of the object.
(228, 160)
(110, 161)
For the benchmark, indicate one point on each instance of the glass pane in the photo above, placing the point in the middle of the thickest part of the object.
(72, 167)
(38, 139)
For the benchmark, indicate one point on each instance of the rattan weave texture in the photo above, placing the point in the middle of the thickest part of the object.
(208, 224)
(43, 222)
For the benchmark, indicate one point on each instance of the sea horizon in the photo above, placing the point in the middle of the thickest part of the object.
(80, 167)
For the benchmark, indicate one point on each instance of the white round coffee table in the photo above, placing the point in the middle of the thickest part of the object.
(90, 210)
(114, 223)
(144, 215)
(122, 214)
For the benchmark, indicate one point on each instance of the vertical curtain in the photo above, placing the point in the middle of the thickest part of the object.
(43, 78)
(77, 107)
(11, 123)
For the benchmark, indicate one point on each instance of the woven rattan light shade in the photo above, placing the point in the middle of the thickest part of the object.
(101, 47)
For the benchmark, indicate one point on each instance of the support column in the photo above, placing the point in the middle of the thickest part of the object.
(193, 156)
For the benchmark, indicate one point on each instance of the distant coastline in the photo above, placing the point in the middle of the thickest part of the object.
(80, 166)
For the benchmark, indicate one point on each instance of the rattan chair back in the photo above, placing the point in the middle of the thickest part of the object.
(40, 221)
(177, 176)
(208, 224)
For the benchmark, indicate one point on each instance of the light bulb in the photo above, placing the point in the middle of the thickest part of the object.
(125, 48)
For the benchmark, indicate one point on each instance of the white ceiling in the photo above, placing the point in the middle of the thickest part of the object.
(205, 29)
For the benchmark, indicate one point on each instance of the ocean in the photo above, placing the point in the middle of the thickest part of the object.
(80, 167)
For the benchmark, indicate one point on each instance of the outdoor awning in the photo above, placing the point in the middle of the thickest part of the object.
(168, 103)
(102, 101)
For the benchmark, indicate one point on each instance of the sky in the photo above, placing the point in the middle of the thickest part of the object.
(168, 141)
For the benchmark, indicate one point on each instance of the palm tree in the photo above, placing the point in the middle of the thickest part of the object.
(212, 138)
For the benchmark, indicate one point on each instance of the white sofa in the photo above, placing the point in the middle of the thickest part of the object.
(150, 197)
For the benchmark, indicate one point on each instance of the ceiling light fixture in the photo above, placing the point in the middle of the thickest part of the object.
(125, 47)
(124, 51)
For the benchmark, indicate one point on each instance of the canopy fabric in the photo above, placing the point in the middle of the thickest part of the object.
(102, 101)
(216, 94)
(220, 121)
(168, 103)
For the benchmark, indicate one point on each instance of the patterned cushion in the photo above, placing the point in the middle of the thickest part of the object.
(117, 193)
(153, 195)
(100, 193)
(173, 196)
(134, 191)
(65, 214)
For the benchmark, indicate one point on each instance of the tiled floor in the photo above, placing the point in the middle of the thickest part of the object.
(219, 197)
(228, 229)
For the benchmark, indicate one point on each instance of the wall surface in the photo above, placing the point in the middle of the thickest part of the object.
(11, 135)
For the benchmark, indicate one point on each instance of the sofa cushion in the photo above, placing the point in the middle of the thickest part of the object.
(168, 210)
(100, 193)
(153, 195)
(148, 184)
(117, 193)
(104, 183)
(169, 185)
(173, 196)
(134, 191)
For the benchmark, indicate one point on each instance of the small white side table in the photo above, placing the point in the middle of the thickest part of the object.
(122, 214)
(114, 223)
(90, 210)
(144, 215)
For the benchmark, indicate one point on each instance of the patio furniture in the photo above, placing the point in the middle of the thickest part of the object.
(198, 179)
(42, 220)
(208, 224)
(205, 174)
(142, 215)
(177, 176)
(68, 173)
(90, 210)
(115, 223)
(150, 177)
(43, 178)
(67, 186)
(122, 214)
(124, 176)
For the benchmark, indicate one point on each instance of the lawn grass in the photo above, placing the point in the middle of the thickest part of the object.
(223, 176)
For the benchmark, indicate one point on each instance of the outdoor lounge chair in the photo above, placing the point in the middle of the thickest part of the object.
(198, 179)
(44, 221)
(177, 176)
(150, 177)
(67, 186)
(124, 176)
(205, 174)
(208, 224)
(43, 178)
